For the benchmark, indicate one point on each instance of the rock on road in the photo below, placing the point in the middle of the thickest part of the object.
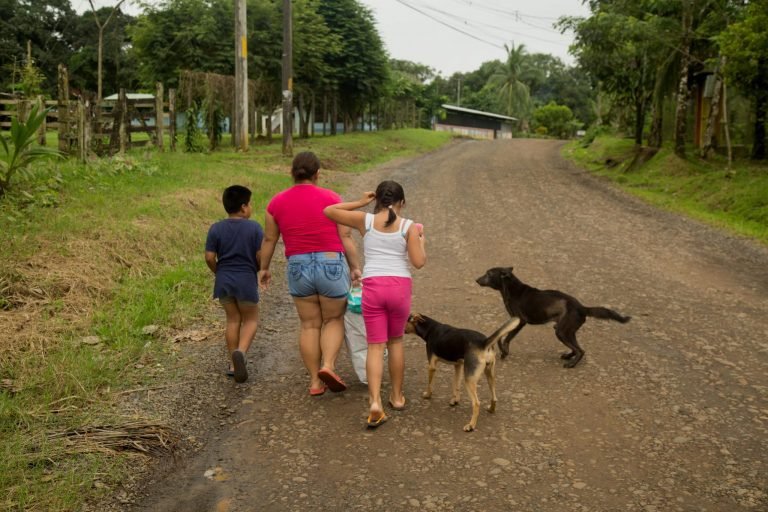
(666, 413)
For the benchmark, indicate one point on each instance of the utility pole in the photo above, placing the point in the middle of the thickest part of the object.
(240, 121)
(287, 79)
(101, 26)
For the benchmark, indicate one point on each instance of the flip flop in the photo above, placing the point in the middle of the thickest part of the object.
(238, 361)
(396, 408)
(331, 380)
(317, 391)
(371, 423)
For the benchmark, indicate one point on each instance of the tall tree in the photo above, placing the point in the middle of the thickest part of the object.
(46, 25)
(745, 46)
(360, 68)
(514, 92)
(615, 45)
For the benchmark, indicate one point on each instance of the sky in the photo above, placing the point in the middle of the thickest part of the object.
(458, 35)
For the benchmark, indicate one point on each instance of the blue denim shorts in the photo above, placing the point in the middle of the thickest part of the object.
(318, 273)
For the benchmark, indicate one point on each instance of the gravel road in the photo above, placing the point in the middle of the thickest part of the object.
(666, 413)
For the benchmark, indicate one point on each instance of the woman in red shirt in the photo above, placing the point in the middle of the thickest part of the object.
(322, 258)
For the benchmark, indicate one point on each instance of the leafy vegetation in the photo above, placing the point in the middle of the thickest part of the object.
(117, 252)
(19, 151)
(735, 199)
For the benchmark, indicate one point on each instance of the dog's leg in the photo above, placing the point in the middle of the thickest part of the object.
(490, 376)
(471, 383)
(565, 330)
(504, 344)
(458, 369)
(431, 368)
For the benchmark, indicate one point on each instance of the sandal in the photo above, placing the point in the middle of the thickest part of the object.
(374, 423)
(331, 380)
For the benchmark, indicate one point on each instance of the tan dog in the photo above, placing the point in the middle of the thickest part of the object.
(466, 350)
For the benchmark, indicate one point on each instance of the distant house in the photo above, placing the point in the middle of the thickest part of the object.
(475, 123)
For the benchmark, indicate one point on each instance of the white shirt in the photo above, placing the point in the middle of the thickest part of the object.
(386, 254)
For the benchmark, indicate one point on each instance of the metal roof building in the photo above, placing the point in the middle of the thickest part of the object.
(475, 123)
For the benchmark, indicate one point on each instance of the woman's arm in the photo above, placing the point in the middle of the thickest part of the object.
(417, 254)
(271, 236)
(344, 214)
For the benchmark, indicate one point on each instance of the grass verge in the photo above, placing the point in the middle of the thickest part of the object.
(101, 265)
(735, 199)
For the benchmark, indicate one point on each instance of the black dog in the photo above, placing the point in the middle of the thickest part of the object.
(464, 349)
(534, 306)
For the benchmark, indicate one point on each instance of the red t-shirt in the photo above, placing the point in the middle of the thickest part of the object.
(298, 212)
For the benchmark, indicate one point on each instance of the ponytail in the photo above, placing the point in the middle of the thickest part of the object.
(387, 194)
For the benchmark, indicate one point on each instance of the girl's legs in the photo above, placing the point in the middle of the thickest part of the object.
(396, 356)
(311, 319)
(374, 369)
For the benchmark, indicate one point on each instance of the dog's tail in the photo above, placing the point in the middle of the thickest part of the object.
(606, 314)
(505, 329)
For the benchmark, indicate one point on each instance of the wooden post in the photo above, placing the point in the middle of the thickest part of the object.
(123, 119)
(159, 115)
(81, 122)
(287, 124)
(87, 129)
(172, 117)
(44, 125)
(63, 108)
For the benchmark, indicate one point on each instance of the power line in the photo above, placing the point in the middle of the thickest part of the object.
(448, 25)
(505, 30)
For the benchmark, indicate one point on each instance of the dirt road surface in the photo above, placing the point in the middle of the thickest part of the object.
(666, 413)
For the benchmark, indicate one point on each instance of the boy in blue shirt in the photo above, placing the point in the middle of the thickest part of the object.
(232, 252)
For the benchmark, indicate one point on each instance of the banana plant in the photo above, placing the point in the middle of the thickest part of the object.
(18, 151)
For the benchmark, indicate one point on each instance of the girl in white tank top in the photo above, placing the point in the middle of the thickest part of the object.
(391, 244)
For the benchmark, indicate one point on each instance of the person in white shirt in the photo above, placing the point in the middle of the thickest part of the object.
(391, 245)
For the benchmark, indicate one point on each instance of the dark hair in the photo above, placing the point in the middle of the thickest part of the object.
(305, 165)
(387, 194)
(235, 197)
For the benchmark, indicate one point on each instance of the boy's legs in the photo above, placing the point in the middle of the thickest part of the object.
(249, 321)
(232, 329)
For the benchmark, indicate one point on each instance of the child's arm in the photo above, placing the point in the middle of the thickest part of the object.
(350, 251)
(417, 254)
(343, 213)
(271, 236)
(210, 260)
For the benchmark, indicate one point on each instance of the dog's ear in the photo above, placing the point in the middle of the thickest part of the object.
(417, 318)
(506, 272)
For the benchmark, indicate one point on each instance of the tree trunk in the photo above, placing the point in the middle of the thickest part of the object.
(334, 113)
(639, 118)
(709, 141)
(681, 111)
(761, 109)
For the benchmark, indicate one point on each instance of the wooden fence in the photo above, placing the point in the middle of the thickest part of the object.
(86, 127)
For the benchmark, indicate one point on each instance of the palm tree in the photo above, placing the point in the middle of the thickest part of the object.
(514, 93)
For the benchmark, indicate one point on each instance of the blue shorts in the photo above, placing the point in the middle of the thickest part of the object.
(318, 273)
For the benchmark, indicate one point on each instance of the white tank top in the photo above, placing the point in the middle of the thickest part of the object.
(386, 254)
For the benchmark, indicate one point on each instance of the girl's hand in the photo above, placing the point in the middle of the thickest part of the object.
(367, 198)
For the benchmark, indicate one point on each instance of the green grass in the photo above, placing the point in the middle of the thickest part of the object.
(735, 199)
(105, 250)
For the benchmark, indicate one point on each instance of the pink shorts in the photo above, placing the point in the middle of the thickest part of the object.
(386, 306)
